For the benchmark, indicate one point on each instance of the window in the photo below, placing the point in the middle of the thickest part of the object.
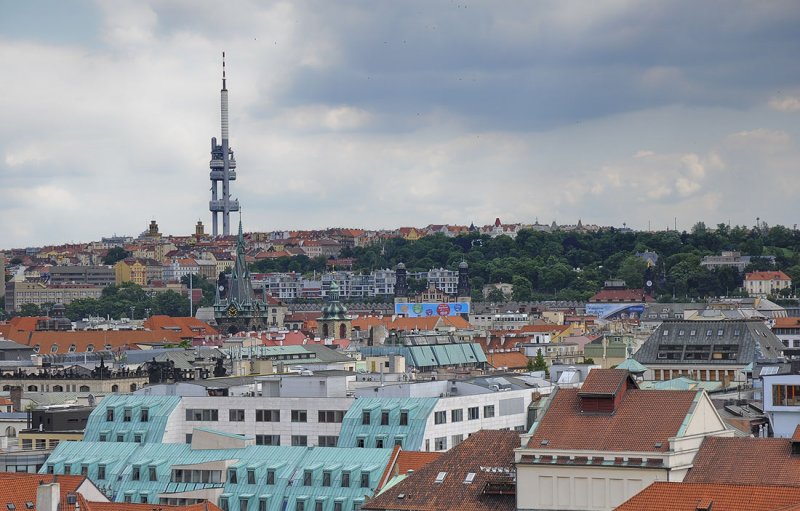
(145, 415)
(85, 470)
(135, 475)
(101, 472)
(109, 414)
(361, 441)
(143, 498)
(270, 477)
(440, 477)
(318, 505)
(440, 417)
(299, 416)
(404, 418)
(126, 415)
(345, 479)
(440, 443)
(307, 476)
(326, 478)
(457, 415)
(103, 437)
(129, 498)
(202, 415)
(120, 437)
(232, 476)
(379, 443)
(268, 440)
(67, 470)
(299, 440)
(137, 438)
(243, 503)
(337, 506)
(268, 415)
(327, 441)
(786, 395)
(692, 332)
(188, 438)
(720, 332)
(262, 504)
(301, 505)
(223, 503)
(456, 439)
(398, 440)
(50, 469)
(365, 479)
(251, 476)
(335, 416)
(473, 413)
(385, 418)
(365, 416)
(236, 415)
(151, 473)
(488, 411)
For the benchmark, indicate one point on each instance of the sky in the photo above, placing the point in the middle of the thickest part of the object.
(387, 114)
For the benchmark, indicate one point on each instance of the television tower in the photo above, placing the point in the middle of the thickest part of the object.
(223, 169)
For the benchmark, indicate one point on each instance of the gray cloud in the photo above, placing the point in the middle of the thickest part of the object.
(381, 115)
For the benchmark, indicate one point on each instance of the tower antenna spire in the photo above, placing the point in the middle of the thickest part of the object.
(224, 87)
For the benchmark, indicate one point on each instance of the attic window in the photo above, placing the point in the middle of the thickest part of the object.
(29, 505)
(658, 445)
(544, 442)
(665, 333)
(54, 348)
(692, 332)
(440, 477)
(720, 331)
(470, 477)
(90, 348)
(10, 506)
(72, 348)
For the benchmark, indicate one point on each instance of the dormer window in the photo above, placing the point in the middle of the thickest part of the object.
(90, 348)
(54, 348)
(72, 348)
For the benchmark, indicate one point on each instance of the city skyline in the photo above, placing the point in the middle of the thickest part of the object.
(398, 115)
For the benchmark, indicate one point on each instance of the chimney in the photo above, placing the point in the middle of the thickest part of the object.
(48, 497)
(16, 398)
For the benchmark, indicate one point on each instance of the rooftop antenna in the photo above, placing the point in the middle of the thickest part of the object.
(224, 87)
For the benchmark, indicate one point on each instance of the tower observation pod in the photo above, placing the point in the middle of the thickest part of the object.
(223, 169)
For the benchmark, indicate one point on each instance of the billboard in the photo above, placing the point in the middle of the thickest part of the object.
(417, 310)
(612, 310)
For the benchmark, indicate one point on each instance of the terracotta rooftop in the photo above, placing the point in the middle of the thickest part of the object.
(643, 421)
(621, 295)
(747, 461)
(605, 382)
(458, 478)
(20, 488)
(766, 275)
(186, 327)
(684, 496)
(510, 360)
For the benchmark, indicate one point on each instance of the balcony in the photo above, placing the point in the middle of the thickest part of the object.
(219, 205)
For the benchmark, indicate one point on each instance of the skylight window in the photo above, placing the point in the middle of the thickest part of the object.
(440, 477)
(470, 477)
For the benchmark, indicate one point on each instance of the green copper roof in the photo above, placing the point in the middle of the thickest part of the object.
(355, 426)
(432, 356)
(632, 366)
(290, 464)
(120, 408)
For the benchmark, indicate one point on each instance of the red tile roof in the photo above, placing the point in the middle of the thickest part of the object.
(19, 488)
(185, 327)
(621, 296)
(510, 360)
(421, 492)
(766, 275)
(605, 382)
(749, 461)
(663, 496)
(642, 419)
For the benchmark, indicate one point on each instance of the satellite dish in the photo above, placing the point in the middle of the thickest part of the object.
(649, 283)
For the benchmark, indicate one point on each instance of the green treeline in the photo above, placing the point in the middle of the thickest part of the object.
(573, 266)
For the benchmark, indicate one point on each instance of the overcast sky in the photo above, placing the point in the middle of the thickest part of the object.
(388, 114)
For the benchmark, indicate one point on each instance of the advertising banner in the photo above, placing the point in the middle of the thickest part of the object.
(416, 310)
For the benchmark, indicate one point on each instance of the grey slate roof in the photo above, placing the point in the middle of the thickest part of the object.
(694, 342)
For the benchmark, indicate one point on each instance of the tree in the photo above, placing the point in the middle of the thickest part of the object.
(588, 360)
(529, 367)
(115, 254)
(539, 363)
(631, 270)
(29, 309)
(495, 295)
(523, 291)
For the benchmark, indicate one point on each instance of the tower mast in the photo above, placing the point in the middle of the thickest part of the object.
(223, 167)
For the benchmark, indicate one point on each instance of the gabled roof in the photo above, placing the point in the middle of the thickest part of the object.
(510, 360)
(185, 327)
(643, 421)
(748, 461)
(123, 506)
(684, 496)
(20, 488)
(605, 382)
(488, 455)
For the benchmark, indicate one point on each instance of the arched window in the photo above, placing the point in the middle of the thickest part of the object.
(11, 432)
(6, 387)
(107, 347)
(72, 348)
(90, 348)
(342, 331)
(84, 388)
(324, 330)
(115, 388)
(36, 348)
(58, 388)
(33, 388)
(54, 348)
(133, 387)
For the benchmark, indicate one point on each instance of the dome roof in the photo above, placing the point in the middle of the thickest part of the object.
(401, 266)
(463, 264)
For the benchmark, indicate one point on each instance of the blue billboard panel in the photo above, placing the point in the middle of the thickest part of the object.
(615, 310)
(417, 310)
